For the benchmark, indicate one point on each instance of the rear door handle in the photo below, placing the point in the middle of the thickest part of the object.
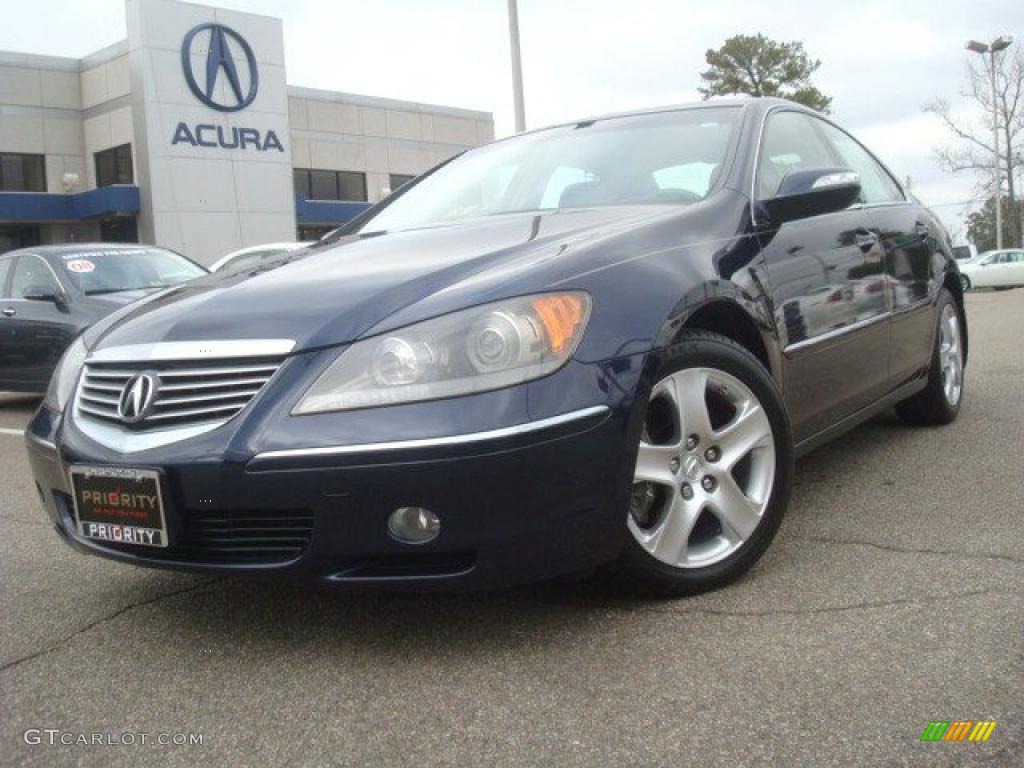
(922, 230)
(865, 239)
(8, 311)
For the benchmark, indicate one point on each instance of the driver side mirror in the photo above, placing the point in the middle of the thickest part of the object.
(811, 192)
(44, 293)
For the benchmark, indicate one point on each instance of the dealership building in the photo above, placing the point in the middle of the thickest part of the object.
(187, 135)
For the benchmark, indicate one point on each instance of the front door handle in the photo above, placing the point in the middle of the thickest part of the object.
(922, 230)
(8, 311)
(865, 239)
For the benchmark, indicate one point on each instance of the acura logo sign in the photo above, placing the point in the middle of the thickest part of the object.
(220, 65)
(137, 397)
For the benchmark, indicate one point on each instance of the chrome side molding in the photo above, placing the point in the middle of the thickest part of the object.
(836, 333)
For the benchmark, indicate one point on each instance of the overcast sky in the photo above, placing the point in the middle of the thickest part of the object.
(881, 61)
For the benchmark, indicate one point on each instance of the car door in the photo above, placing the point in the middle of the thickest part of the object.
(43, 329)
(827, 283)
(1006, 272)
(909, 245)
(984, 273)
(1015, 269)
(998, 272)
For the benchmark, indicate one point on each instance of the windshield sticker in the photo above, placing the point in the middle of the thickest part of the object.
(80, 265)
(118, 252)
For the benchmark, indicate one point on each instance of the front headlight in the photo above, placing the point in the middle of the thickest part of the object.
(474, 350)
(65, 376)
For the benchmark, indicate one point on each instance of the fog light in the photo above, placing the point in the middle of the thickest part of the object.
(414, 525)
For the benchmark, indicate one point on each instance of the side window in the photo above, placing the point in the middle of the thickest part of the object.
(5, 267)
(32, 272)
(876, 184)
(790, 143)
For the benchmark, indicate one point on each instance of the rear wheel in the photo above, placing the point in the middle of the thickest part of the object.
(939, 401)
(713, 469)
(965, 283)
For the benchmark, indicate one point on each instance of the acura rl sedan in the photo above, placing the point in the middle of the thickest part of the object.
(598, 344)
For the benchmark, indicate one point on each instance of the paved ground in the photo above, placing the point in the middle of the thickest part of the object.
(893, 596)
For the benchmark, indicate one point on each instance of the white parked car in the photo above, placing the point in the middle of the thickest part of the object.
(994, 269)
(252, 256)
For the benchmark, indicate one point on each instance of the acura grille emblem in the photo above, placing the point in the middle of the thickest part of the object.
(137, 397)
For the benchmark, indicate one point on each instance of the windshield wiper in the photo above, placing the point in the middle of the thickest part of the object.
(147, 287)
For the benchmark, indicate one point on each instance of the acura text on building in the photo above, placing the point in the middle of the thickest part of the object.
(205, 135)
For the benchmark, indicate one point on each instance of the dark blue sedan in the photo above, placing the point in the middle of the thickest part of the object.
(598, 344)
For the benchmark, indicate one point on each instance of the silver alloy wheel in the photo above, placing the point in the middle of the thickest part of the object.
(951, 354)
(705, 469)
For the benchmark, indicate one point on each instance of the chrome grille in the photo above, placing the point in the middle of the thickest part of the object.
(187, 392)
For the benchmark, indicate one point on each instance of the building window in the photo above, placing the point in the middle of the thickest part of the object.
(22, 173)
(315, 184)
(301, 177)
(398, 180)
(114, 166)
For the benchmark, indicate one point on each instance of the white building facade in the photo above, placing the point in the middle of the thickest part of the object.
(187, 135)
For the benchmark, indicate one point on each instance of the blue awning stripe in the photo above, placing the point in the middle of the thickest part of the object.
(49, 206)
(326, 211)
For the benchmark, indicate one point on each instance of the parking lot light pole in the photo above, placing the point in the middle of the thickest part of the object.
(999, 44)
(517, 66)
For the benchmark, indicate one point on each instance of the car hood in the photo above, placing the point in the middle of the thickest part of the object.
(337, 294)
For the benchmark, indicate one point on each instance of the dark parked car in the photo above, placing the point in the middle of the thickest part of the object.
(599, 343)
(50, 293)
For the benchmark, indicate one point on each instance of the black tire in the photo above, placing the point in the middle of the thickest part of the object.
(965, 283)
(931, 406)
(640, 570)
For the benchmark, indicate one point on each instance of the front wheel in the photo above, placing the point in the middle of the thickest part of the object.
(965, 283)
(713, 469)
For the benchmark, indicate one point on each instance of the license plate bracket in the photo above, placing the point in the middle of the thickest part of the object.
(119, 505)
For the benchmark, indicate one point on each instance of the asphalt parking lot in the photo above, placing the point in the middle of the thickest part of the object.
(893, 596)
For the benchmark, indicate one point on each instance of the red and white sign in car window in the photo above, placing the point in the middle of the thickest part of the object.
(80, 266)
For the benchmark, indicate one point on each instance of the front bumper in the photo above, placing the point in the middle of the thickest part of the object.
(516, 505)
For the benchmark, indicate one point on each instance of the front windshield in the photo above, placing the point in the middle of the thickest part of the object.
(666, 157)
(127, 269)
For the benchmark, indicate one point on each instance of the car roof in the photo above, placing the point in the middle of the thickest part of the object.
(291, 245)
(760, 103)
